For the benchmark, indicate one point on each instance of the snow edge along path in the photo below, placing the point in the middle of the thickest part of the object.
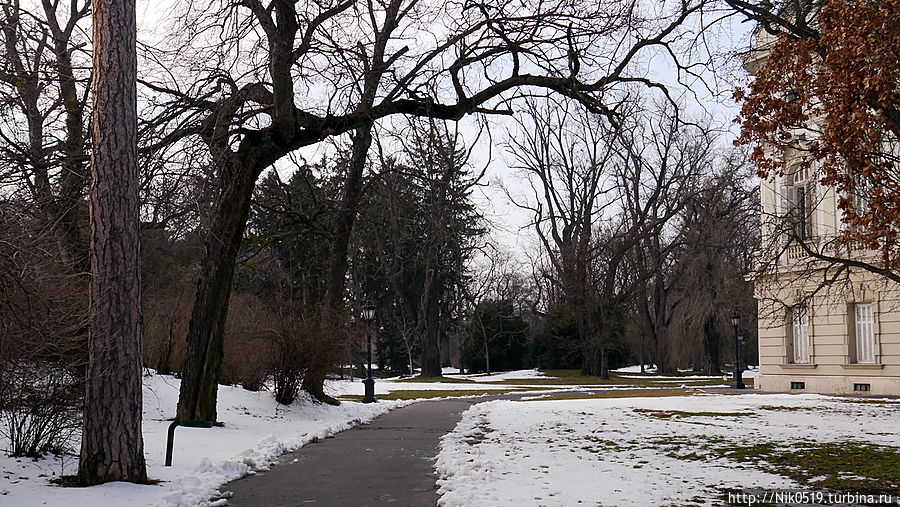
(471, 428)
(256, 432)
(202, 488)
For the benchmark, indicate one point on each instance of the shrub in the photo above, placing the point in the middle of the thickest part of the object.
(496, 338)
(306, 344)
(165, 329)
(248, 351)
(43, 335)
(40, 408)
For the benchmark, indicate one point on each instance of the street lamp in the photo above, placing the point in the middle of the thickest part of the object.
(737, 383)
(368, 312)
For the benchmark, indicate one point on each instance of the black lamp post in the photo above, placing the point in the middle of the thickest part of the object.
(737, 383)
(368, 311)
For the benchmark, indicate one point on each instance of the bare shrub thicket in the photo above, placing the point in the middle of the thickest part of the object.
(300, 339)
(43, 333)
(248, 354)
(165, 326)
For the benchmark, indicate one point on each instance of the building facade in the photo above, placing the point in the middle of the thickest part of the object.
(824, 327)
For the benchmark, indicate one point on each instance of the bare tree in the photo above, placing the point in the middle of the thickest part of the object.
(112, 445)
(718, 236)
(43, 95)
(257, 114)
(602, 193)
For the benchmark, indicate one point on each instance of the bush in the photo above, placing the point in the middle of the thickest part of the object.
(248, 352)
(556, 346)
(307, 343)
(165, 329)
(43, 338)
(291, 344)
(40, 408)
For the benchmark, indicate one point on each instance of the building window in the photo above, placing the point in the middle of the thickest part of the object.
(863, 333)
(798, 205)
(799, 335)
(861, 388)
(798, 385)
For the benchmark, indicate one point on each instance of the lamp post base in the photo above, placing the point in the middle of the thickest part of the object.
(737, 383)
(369, 397)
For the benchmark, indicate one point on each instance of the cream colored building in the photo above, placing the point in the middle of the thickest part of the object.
(823, 327)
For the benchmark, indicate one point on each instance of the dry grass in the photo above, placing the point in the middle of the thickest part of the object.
(448, 380)
(415, 394)
(645, 393)
(574, 378)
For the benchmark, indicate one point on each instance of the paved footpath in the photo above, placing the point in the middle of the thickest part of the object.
(389, 461)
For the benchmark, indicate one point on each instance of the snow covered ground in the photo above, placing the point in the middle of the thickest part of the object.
(256, 431)
(384, 386)
(499, 377)
(631, 451)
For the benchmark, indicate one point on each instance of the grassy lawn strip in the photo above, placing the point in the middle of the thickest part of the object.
(413, 394)
(574, 377)
(680, 413)
(449, 380)
(647, 393)
(848, 466)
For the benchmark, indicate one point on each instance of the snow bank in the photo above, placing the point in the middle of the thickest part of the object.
(256, 430)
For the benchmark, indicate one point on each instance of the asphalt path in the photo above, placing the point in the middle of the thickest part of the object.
(389, 461)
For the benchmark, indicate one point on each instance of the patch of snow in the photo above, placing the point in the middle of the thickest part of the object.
(384, 386)
(603, 452)
(648, 368)
(504, 375)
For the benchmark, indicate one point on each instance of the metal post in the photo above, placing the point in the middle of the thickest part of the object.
(369, 382)
(170, 440)
(738, 382)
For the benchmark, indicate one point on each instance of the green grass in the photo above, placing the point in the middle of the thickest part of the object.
(847, 466)
(575, 378)
(647, 393)
(414, 394)
(680, 413)
(449, 380)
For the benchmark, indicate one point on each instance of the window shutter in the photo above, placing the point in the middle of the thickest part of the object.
(799, 214)
(811, 210)
(851, 333)
(786, 207)
(865, 333)
(800, 335)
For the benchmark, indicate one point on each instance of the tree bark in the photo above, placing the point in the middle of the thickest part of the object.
(206, 331)
(345, 217)
(431, 348)
(710, 347)
(342, 229)
(112, 446)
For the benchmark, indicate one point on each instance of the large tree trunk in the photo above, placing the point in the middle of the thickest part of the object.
(112, 446)
(345, 217)
(431, 348)
(591, 360)
(342, 229)
(206, 331)
(710, 347)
